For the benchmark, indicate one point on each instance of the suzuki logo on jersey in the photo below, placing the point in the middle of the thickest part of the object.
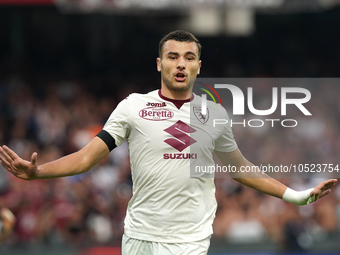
(182, 140)
(180, 156)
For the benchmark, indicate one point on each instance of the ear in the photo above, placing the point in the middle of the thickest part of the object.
(199, 67)
(158, 60)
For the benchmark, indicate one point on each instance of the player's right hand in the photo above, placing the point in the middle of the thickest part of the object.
(22, 169)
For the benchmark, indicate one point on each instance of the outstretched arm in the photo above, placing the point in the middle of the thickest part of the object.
(75, 163)
(264, 183)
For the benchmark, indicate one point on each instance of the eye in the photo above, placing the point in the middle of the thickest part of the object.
(172, 57)
(190, 58)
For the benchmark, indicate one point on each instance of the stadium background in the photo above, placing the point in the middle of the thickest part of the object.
(63, 68)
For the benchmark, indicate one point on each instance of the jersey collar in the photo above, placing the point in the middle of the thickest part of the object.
(177, 103)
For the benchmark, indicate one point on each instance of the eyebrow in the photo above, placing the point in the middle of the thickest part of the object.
(176, 53)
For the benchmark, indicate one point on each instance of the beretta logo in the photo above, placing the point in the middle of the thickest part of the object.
(155, 114)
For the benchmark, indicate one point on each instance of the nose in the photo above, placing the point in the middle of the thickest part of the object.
(181, 64)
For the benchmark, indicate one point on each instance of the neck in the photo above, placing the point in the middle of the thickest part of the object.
(176, 95)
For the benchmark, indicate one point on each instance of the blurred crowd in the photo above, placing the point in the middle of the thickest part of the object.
(60, 117)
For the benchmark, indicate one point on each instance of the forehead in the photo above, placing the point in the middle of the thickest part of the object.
(180, 47)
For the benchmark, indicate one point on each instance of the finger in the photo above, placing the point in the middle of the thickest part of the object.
(324, 194)
(11, 153)
(325, 185)
(328, 186)
(34, 158)
(4, 162)
(5, 155)
(330, 182)
(8, 167)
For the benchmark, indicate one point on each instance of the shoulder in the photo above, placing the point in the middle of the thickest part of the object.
(140, 96)
(217, 107)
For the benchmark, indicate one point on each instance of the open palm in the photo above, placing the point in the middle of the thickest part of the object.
(323, 189)
(22, 169)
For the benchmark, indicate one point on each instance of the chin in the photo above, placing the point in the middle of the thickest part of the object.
(181, 87)
(177, 86)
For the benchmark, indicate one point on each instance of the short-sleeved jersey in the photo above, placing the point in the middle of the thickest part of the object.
(167, 204)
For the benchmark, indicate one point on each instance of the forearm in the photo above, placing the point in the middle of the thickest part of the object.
(66, 166)
(260, 181)
(72, 164)
(75, 163)
(264, 183)
(270, 186)
(254, 179)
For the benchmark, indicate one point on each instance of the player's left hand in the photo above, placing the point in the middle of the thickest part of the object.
(323, 189)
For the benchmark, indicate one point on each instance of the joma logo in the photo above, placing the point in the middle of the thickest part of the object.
(156, 104)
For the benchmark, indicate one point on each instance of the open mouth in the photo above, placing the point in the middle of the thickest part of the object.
(180, 77)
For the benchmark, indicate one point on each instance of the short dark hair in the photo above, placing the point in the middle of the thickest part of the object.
(180, 36)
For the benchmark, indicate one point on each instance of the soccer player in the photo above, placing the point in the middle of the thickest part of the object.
(7, 222)
(169, 212)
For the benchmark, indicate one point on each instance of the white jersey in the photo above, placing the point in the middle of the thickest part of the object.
(167, 205)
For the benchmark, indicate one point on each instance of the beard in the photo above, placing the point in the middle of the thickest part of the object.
(171, 86)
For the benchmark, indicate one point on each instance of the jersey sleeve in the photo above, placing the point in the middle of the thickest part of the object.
(118, 124)
(226, 141)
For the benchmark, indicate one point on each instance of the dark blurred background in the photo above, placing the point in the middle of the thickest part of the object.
(64, 66)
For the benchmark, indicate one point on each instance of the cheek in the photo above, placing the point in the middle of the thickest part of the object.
(165, 69)
(194, 71)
